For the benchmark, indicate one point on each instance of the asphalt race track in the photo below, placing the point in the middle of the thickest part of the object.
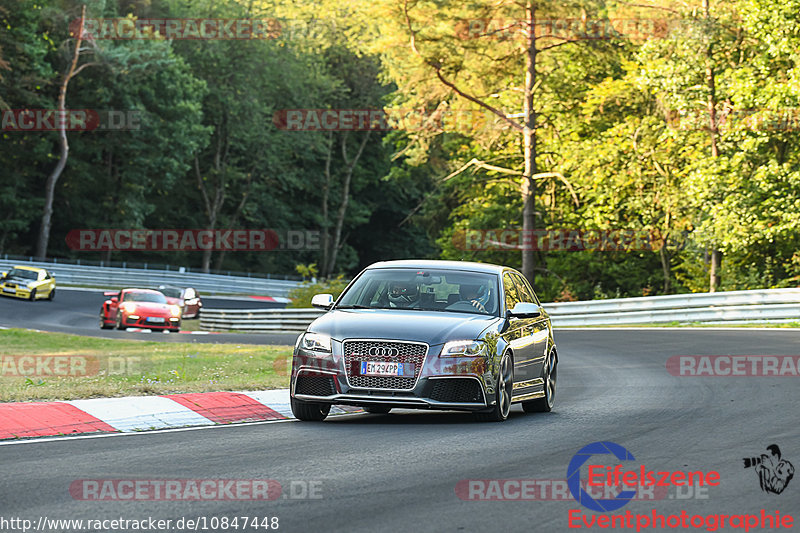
(399, 472)
(77, 311)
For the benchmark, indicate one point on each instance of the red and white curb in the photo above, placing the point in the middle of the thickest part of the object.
(143, 413)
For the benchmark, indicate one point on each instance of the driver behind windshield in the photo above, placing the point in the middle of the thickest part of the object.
(403, 294)
(471, 293)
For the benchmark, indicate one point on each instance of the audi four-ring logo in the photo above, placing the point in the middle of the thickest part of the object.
(384, 351)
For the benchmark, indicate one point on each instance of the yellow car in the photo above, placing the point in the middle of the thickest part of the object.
(28, 282)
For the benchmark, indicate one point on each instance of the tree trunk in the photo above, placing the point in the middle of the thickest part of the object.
(664, 255)
(235, 218)
(214, 206)
(337, 232)
(529, 185)
(326, 188)
(52, 179)
(713, 131)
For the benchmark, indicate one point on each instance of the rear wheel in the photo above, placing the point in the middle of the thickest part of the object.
(103, 324)
(52, 294)
(505, 385)
(309, 411)
(549, 375)
(377, 409)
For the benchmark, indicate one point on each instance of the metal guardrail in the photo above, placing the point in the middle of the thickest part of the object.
(94, 276)
(770, 305)
(258, 320)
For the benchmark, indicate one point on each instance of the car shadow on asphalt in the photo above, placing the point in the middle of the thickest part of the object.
(412, 417)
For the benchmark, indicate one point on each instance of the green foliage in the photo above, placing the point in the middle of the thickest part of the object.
(301, 296)
(622, 130)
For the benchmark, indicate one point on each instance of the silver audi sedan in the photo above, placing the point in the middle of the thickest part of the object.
(427, 335)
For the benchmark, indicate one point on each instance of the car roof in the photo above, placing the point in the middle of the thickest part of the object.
(148, 291)
(445, 265)
(32, 269)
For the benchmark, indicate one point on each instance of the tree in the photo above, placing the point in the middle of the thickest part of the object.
(50, 185)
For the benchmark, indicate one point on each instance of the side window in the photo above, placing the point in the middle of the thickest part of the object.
(511, 290)
(41, 276)
(525, 290)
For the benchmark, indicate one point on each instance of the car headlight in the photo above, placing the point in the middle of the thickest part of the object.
(128, 307)
(316, 342)
(30, 284)
(464, 349)
(175, 310)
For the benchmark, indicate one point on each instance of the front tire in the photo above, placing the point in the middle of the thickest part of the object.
(550, 375)
(309, 411)
(32, 296)
(504, 388)
(120, 325)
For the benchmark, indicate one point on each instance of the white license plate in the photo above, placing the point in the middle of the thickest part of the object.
(382, 368)
(8, 289)
(155, 319)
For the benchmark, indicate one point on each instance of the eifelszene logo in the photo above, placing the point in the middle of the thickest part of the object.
(574, 476)
(774, 473)
(618, 476)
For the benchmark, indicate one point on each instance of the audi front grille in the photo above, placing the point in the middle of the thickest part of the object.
(383, 351)
(315, 386)
(457, 390)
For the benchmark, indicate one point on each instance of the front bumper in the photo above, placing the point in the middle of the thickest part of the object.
(142, 322)
(447, 383)
(18, 291)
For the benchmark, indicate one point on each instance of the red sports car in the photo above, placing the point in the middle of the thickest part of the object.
(139, 308)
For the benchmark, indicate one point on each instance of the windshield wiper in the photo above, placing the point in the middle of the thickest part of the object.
(355, 306)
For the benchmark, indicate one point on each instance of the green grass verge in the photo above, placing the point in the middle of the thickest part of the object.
(88, 367)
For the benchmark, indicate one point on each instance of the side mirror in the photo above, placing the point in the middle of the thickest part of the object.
(3, 275)
(525, 310)
(323, 301)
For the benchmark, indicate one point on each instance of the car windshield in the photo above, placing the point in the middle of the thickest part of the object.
(22, 274)
(171, 293)
(155, 297)
(423, 289)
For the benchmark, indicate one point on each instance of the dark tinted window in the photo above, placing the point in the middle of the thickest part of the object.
(23, 274)
(171, 292)
(154, 297)
(424, 289)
